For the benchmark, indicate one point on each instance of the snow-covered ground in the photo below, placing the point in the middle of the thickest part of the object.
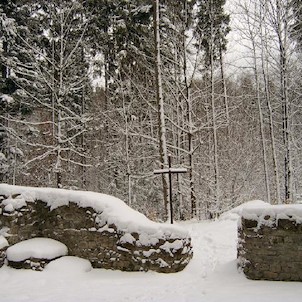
(210, 276)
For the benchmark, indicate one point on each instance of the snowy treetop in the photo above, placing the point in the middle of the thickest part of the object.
(110, 210)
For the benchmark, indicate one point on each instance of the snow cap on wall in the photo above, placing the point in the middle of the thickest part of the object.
(111, 209)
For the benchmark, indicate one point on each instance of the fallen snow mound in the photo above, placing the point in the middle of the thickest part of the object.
(39, 248)
(235, 213)
(69, 265)
(259, 210)
(269, 215)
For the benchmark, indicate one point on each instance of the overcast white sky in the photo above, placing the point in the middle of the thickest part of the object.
(236, 53)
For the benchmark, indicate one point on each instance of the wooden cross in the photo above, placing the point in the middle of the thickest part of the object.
(170, 171)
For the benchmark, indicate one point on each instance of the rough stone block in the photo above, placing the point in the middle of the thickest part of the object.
(273, 249)
(2, 257)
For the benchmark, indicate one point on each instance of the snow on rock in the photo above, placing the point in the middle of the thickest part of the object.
(3, 245)
(3, 242)
(7, 98)
(94, 226)
(269, 215)
(111, 209)
(172, 247)
(12, 204)
(235, 213)
(39, 248)
(264, 213)
(270, 242)
(69, 265)
(127, 238)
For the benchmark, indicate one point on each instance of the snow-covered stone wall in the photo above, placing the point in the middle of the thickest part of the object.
(270, 243)
(94, 226)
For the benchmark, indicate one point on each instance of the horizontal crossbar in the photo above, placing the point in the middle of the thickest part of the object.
(171, 170)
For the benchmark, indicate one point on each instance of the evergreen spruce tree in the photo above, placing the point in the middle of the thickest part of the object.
(296, 29)
(9, 103)
(211, 28)
(49, 66)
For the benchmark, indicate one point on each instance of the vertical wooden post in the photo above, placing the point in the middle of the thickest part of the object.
(170, 189)
(170, 171)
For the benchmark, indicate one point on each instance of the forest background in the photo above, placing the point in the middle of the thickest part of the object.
(94, 95)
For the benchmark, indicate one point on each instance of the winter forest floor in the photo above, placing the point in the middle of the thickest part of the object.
(211, 276)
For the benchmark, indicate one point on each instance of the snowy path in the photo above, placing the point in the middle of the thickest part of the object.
(211, 276)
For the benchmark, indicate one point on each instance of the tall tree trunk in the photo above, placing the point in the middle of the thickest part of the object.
(83, 143)
(214, 123)
(60, 96)
(189, 118)
(58, 166)
(180, 139)
(3, 121)
(265, 72)
(272, 135)
(224, 88)
(282, 30)
(83, 126)
(127, 146)
(215, 142)
(160, 103)
(208, 199)
(261, 122)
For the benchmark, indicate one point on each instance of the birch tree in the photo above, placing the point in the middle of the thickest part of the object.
(265, 37)
(281, 18)
(280, 22)
(252, 33)
(271, 42)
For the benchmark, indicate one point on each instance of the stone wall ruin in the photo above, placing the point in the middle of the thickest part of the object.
(87, 235)
(270, 243)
